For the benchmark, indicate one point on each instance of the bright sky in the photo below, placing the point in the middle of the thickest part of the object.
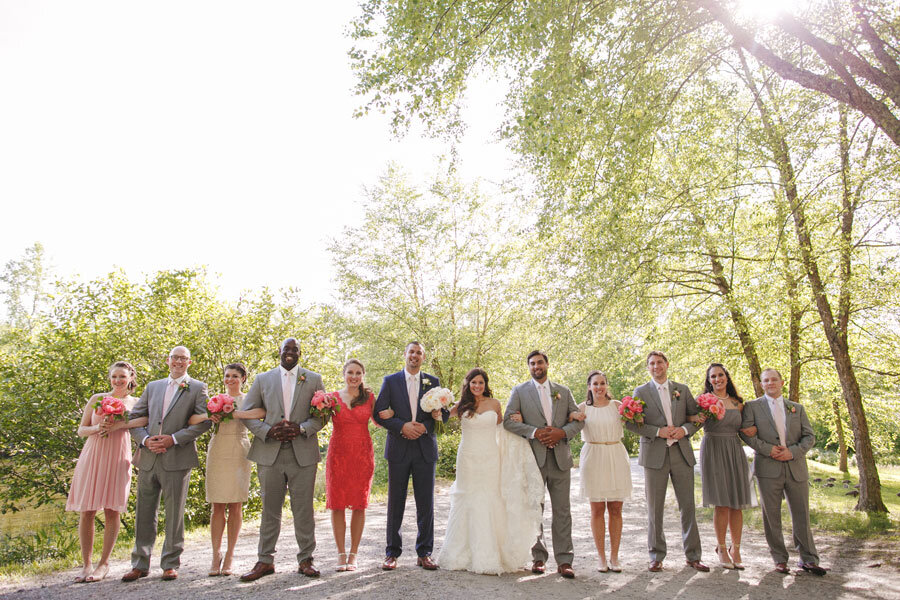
(158, 135)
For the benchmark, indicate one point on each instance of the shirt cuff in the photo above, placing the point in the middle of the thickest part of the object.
(174, 440)
(144, 441)
(685, 430)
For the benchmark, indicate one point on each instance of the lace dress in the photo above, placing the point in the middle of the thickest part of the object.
(350, 463)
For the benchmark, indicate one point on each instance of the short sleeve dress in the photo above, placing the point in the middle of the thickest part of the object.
(723, 464)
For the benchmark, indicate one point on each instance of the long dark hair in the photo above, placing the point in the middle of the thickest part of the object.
(729, 384)
(466, 406)
(590, 396)
(362, 395)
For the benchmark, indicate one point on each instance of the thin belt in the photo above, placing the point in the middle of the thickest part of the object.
(605, 443)
(714, 434)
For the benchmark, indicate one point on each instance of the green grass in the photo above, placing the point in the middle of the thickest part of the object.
(832, 511)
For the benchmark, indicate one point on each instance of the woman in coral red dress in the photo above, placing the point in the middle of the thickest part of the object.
(102, 477)
(350, 463)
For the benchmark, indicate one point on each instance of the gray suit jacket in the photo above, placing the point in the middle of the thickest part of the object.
(266, 393)
(653, 448)
(525, 399)
(185, 403)
(798, 434)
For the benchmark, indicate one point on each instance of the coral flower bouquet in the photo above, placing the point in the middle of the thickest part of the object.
(632, 410)
(325, 404)
(221, 404)
(711, 406)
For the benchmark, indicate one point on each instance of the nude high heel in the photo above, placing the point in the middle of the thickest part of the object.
(726, 563)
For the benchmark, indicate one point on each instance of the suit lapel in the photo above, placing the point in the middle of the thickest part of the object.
(301, 381)
(769, 415)
(402, 392)
(654, 394)
(536, 398)
(554, 405)
(178, 391)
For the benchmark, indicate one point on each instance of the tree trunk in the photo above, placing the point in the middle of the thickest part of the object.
(870, 483)
(842, 443)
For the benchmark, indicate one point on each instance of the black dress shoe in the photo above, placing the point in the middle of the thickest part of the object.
(813, 568)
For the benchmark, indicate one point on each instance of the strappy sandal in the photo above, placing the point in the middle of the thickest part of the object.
(351, 562)
(342, 562)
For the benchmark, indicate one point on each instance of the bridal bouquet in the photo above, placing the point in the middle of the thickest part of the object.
(437, 399)
(112, 409)
(711, 406)
(325, 404)
(222, 404)
(632, 410)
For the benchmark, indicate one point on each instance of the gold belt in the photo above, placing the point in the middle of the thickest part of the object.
(605, 443)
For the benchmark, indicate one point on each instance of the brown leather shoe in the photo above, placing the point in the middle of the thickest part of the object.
(259, 569)
(813, 568)
(566, 571)
(306, 568)
(389, 564)
(655, 566)
(134, 575)
(169, 575)
(782, 568)
(699, 566)
(426, 563)
(538, 567)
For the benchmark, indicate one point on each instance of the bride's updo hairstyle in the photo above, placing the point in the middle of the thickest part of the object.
(590, 395)
(466, 407)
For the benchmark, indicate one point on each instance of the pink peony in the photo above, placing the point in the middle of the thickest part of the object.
(214, 405)
(228, 407)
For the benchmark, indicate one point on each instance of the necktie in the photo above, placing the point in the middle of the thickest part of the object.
(778, 415)
(287, 390)
(167, 400)
(546, 405)
(413, 392)
(666, 402)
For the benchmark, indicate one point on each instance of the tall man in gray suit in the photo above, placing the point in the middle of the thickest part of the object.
(286, 451)
(783, 436)
(167, 455)
(544, 408)
(666, 453)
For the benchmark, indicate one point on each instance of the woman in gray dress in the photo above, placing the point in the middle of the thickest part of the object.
(723, 466)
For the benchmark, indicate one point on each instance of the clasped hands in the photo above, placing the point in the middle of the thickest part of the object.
(284, 431)
(412, 430)
(671, 433)
(781, 453)
(158, 444)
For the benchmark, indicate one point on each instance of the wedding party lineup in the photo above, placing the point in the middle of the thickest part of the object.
(509, 461)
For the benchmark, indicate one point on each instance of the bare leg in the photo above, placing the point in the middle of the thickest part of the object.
(615, 530)
(235, 520)
(111, 525)
(216, 530)
(736, 525)
(86, 537)
(598, 528)
(357, 524)
(339, 527)
(720, 523)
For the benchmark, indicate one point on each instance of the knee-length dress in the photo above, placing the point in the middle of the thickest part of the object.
(227, 467)
(723, 464)
(603, 466)
(102, 478)
(350, 463)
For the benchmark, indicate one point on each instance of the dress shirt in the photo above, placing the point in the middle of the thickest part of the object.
(166, 405)
(543, 390)
(288, 385)
(666, 400)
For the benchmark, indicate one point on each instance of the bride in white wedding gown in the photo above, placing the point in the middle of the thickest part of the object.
(495, 502)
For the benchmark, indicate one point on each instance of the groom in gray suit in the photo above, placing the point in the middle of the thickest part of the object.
(783, 437)
(544, 408)
(666, 453)
(167, 455)
(286, 451)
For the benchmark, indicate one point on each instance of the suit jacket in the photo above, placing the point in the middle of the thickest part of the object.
(526, 400)
(798, 434)
(393, 395)
(653, 448)
(266, 392)
(187, 401)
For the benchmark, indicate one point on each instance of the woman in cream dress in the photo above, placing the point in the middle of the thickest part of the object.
(604, 469)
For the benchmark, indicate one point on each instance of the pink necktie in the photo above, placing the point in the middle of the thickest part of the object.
(287, 391)
(778, 415)
(666, 402)
(546, 405)
(413, 396)
(167, 399)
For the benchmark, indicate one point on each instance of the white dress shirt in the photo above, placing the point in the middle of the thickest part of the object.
(288, 385)
(776, 407)
(413, 383)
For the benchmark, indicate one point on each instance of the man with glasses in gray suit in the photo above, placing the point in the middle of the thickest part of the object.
(167, 455)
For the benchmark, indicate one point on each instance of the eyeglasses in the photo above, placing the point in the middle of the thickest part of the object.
(179, 358)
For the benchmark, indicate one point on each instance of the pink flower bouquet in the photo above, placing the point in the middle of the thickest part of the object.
(632, 410)
(221, 404)
(711, 406)
(325, 404)
(112, 409)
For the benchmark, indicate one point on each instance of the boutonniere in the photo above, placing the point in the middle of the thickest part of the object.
(793, 409)
(555, 395)
(184, 386)
(301, 378)
(675, 394)
(425, 382)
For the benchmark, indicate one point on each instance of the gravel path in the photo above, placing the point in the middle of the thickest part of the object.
(853, 573)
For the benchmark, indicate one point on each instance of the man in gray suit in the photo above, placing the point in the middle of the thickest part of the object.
(286, 451)
(666, 453)
(167, 455)
(782, 437)
(542, 410)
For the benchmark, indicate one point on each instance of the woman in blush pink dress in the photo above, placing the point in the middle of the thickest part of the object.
(102, 477)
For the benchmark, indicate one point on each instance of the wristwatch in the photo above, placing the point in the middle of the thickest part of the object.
(302, 431)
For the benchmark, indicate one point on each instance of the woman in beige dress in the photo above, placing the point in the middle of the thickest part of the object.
(228, 472)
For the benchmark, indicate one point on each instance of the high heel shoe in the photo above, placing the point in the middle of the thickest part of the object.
(614, 566)
(217, 570)
(351, 561)
(737, 565)
(226, 567)
(85, 574)
(342, 562)
(723, 562)
(603, 567)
